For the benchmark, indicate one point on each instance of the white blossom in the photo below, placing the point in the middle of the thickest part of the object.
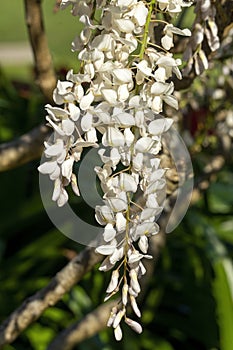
(114, 100)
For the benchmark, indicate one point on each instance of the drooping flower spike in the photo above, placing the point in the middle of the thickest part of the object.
(122, 86)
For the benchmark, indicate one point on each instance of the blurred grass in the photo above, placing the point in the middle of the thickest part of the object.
(61, 29)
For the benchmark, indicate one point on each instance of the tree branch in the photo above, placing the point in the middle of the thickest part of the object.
(90, 325)
(45, 75)
(24, 149)
(96, 320)
(34, 306)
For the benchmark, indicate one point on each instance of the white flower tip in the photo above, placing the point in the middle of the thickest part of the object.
(118, 333)
(134, 325)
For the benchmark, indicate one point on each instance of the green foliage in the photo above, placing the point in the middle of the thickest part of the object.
(188, 304)
(21, 108)
(60, 26)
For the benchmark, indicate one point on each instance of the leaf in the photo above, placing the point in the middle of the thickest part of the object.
(223, 293)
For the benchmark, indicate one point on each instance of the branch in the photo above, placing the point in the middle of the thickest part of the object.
(96, 320)
(24, 149)
(45, 75)
(35, 305)
(90, 325)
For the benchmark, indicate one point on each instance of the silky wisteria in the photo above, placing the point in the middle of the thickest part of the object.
(114, 103)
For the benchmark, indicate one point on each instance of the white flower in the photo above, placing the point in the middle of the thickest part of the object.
(79, 8)
(103, 42)
(63, 92)
(134, 304)
(139, 13)
(122, 76)
(48, 167)
(112, 160)
(110, 96)
(134, 281)
(67, 168)
(169, 30)
(129, 137)
(166, 66)
(143, 244)
(143, 72)
(104, 215)
(173, 6)
(124, 25)
(109, 233)
(144, 144)
(162, 92)
(138, 161)
(74, 185)
(159, 126)
(113, 137)
(106, 249)
(86, 100)
(127, 183)
(134, 325)
(113, 282)
(146, 228)
(118, 203)
(118, 333)
(126, 3)
(120, 222)
(55, 149)
(125, 289)
(118, 317)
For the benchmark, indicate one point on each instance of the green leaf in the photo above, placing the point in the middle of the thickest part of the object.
(39, 336)
(223, 293)
(222, 287)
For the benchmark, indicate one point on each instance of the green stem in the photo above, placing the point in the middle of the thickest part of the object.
(146, 31)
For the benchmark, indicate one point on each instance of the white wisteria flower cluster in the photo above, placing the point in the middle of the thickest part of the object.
(122, 86)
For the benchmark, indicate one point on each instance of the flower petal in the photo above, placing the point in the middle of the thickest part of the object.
(68, 127)
(159, 126)
(109, 233)
(107, 249)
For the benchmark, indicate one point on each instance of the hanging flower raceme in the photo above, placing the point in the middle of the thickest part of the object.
(204, 27)
(123, 83)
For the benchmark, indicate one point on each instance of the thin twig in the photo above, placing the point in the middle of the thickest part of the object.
(23, 149)
(35, 305)
(45, 75)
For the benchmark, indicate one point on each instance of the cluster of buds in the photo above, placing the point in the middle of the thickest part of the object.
(204, 27)
(121, 88)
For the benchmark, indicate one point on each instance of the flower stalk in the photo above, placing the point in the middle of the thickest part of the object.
(146, 29)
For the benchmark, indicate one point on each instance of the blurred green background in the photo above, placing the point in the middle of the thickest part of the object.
(188, 303)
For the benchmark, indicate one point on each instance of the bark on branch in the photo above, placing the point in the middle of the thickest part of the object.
(24, 149)
(45, 75)
(90, 325)
(96, 320)
(34, 306)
